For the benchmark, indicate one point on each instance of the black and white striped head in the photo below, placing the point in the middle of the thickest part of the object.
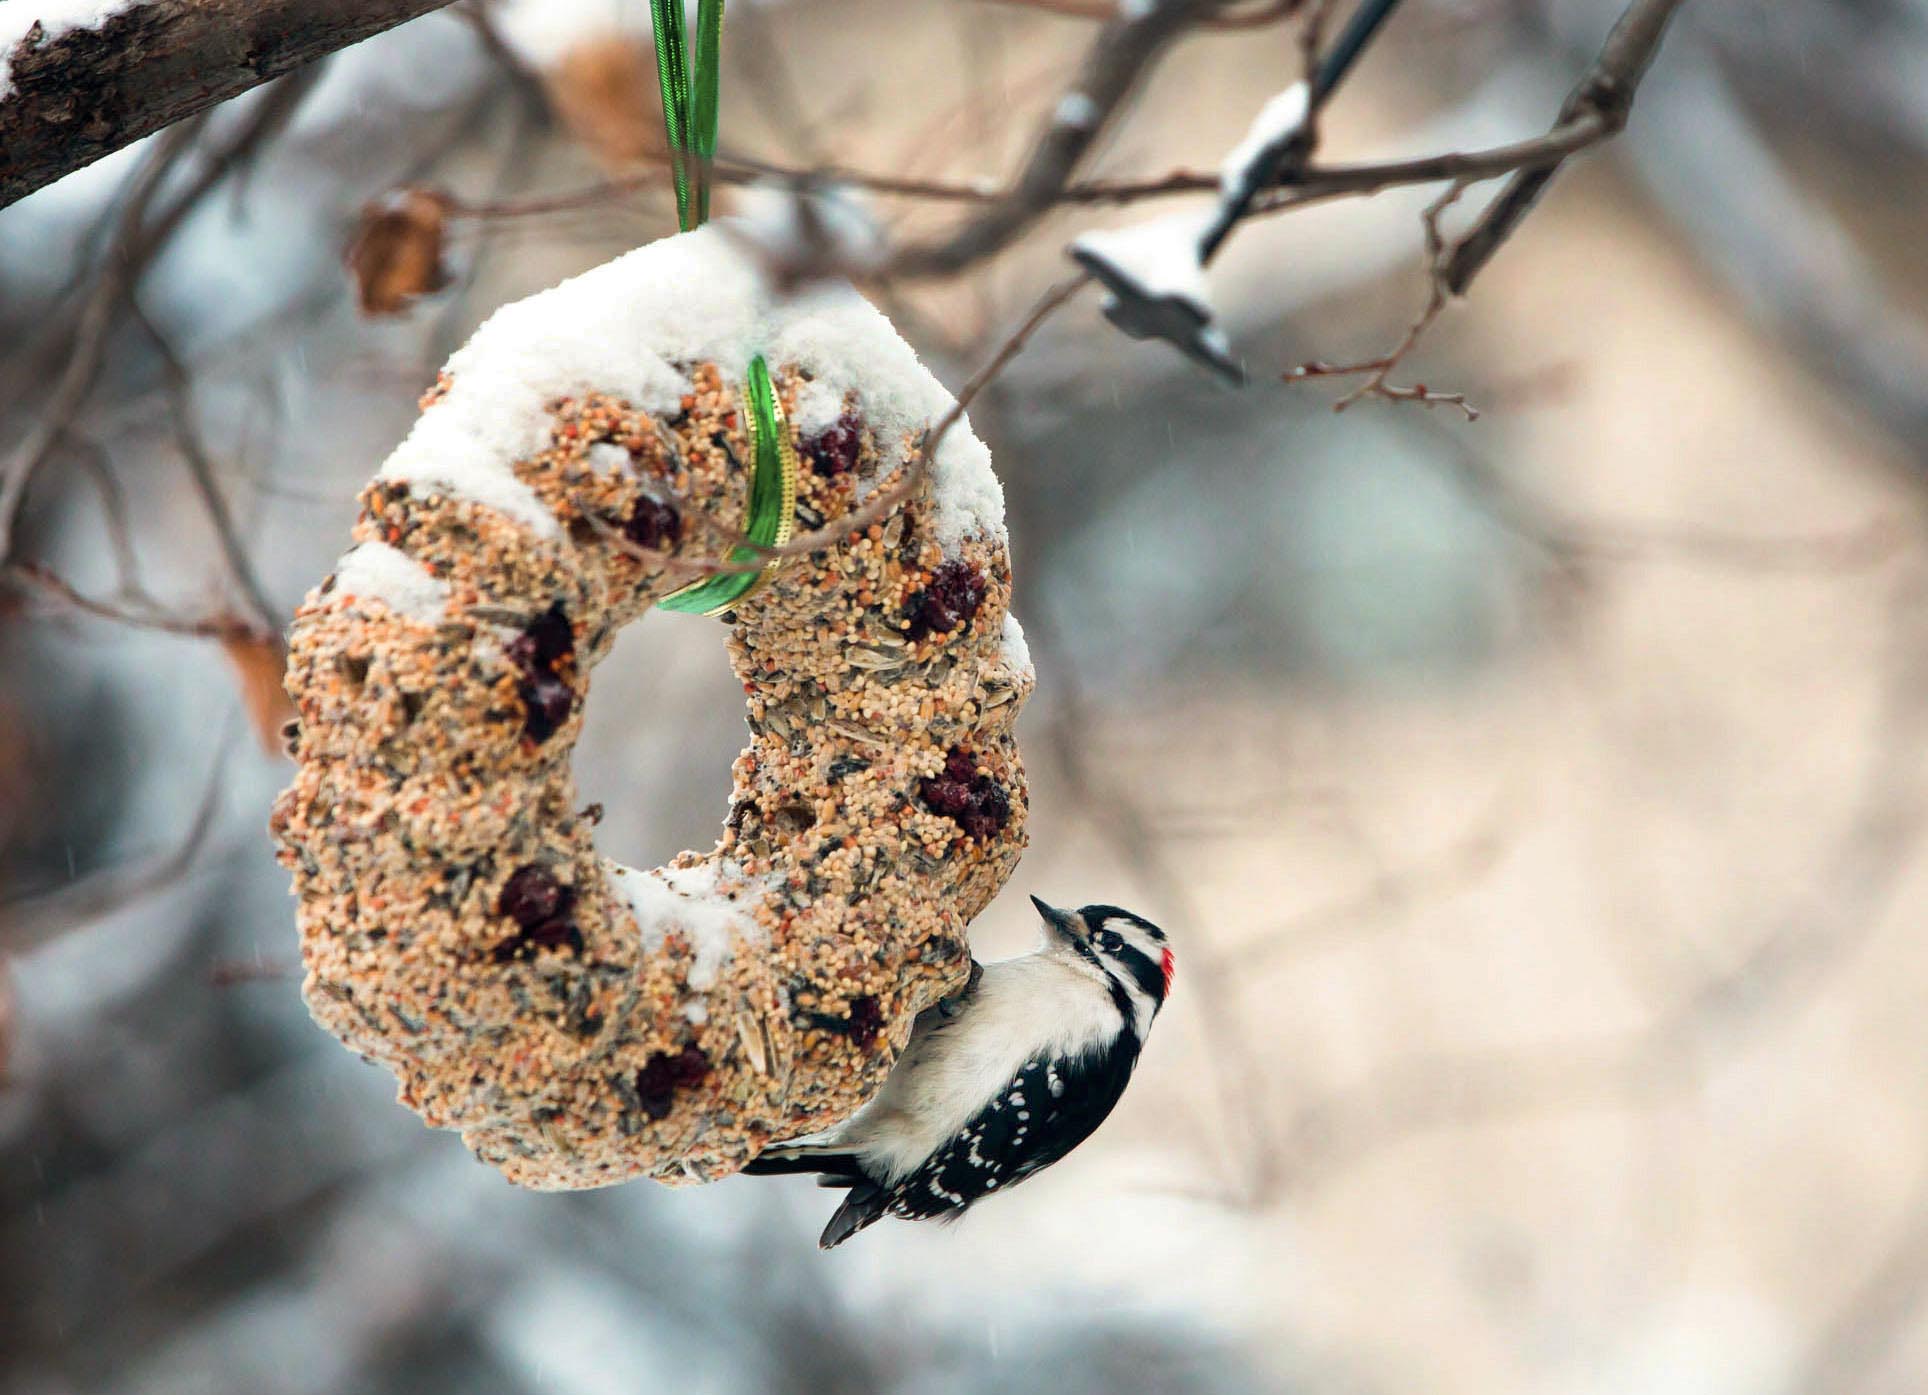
(1128, 949)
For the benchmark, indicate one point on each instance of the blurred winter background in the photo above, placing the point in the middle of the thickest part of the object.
(1536, 801)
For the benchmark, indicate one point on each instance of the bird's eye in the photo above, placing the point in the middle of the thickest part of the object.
(1109, 939)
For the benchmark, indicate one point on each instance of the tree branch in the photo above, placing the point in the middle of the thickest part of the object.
(200, 467)
(1595, 110)
(28, 922)
(1119, 57)
(86, 93)
(879, 505)
(141, 616)
(138, 240)
(1258, 17)
(1605, 94)
(1309, 185)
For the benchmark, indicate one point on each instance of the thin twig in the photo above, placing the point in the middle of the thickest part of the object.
(46, 583)
(1302, 187)
(1120, 56)
(1378, 371)
(138, 240)
(94, 462)
(1605, 93)
(96, 323)
(1261, 16)
(881, 503)
(1598, 107)
(31, 921)
(200, 467)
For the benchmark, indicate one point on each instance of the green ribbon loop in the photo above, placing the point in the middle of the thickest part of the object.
(773, 502)
(689, 122)
(689, 100)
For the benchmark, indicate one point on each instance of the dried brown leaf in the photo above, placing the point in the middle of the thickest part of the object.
(259, 661)
(397, 254)
(604, 89)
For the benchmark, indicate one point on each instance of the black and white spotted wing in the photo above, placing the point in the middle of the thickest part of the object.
(1047, 1110)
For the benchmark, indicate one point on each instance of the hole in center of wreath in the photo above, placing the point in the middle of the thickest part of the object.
(663, 725)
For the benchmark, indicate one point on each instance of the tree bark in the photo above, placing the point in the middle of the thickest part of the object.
(87, 92)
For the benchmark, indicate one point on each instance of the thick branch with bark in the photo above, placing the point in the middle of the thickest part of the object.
(85, 93)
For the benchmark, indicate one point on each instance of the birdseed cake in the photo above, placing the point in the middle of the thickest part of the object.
(579, 1021)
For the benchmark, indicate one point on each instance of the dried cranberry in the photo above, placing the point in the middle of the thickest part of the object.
(992, 811)
(866, 1019)
(549, 701)
(530, 897)
(555, 934)
(550, 636)
(664, 1074)
(551, 934)
(952, 599)
(951, 798)
(536, 651)
(834, 452)
(653, 524)
(975, 801)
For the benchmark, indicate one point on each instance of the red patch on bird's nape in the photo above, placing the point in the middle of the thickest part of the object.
(1171, 967)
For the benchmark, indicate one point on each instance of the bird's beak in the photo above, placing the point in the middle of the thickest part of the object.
(1064, 925)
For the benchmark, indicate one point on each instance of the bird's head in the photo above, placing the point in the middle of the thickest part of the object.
(1127, 948)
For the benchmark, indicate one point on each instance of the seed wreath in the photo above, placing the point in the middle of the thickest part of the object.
(579, 1021)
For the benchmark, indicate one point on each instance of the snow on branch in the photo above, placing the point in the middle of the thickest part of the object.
(1599, 103)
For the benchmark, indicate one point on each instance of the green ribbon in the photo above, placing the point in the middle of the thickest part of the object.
(689, 100)
(773, 502)
(689, 121)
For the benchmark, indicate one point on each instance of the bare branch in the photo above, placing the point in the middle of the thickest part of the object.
(1122, 54)
(1604, 93)
(87, 92)
(93, 460)
(97, 319)
(32, 921)
(39, 579)
(880, 504)
(1379, 370)
(200, 465)
(138, 240)
(1596, 109)
(1313, 184)
(1260, 16)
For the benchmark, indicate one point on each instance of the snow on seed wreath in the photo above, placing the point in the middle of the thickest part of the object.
(579, 1021)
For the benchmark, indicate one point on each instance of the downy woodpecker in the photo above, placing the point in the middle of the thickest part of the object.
(1000, 1081)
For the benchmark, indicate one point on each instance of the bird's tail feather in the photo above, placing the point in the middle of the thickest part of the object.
(832, 1163)
(865, 1206)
